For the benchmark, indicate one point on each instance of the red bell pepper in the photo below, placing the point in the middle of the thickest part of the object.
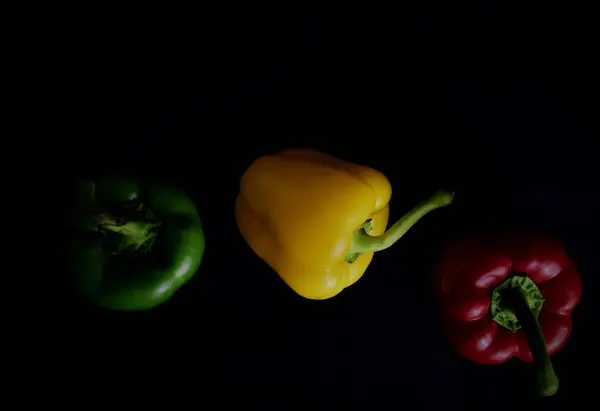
(508, 296)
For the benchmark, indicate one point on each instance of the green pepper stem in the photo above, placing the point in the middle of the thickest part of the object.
(547, 381)
(365, 243)
(133, 229)
(136, 234)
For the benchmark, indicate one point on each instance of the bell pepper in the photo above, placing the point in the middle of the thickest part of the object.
(509, 296)
(134, 244)
(317, 220)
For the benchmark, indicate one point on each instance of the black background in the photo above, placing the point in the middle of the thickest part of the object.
(493, 101)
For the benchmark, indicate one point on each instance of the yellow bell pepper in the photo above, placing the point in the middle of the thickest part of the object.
(316, 219)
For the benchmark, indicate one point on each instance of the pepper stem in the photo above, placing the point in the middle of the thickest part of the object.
(137, 228)
(547, 381)
(365, 243)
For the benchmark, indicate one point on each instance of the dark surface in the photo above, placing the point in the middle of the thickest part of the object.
(492, 102)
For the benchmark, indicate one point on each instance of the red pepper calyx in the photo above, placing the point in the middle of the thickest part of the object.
(502, 313)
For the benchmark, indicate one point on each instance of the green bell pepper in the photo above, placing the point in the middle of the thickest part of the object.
(135, 244)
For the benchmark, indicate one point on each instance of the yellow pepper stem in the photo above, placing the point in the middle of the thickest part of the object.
(365, 243)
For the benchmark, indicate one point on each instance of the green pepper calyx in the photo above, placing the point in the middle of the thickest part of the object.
(135, 225)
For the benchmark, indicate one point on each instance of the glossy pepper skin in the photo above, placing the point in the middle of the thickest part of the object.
(135, 244)
(485, 284)
(316, 219)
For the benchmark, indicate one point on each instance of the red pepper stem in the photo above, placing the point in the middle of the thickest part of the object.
(547, 381)
(365, 243)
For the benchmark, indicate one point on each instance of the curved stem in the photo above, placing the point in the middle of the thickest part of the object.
(547, 381)
(364, 243)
